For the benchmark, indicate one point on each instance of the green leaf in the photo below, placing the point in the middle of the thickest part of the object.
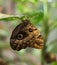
(52, 47)
(53, 25)
(5, 17)
(20, 1)
(36, 17)
(24, 8)
(20, 7)
(33, 1)
(10, 18)
(55, 63)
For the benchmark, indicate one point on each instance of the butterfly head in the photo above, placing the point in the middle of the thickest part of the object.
(26, 35)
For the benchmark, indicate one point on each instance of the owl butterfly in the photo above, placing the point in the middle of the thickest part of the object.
(26, 35)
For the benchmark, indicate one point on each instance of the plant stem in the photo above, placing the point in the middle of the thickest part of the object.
(46, 29)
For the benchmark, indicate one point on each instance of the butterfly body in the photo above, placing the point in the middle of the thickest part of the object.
(26, 35)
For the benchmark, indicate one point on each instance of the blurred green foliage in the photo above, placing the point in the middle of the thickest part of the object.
(36, 11)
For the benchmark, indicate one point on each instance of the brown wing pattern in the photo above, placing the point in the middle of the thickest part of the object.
(26, 35)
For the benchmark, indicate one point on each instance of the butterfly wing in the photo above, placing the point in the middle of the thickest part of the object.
(26, 35)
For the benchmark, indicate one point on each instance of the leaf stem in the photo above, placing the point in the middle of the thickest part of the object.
(45, 29)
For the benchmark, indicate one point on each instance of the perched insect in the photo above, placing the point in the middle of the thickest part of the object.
(26, 35)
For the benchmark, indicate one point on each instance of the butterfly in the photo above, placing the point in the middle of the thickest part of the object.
(26, 35)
